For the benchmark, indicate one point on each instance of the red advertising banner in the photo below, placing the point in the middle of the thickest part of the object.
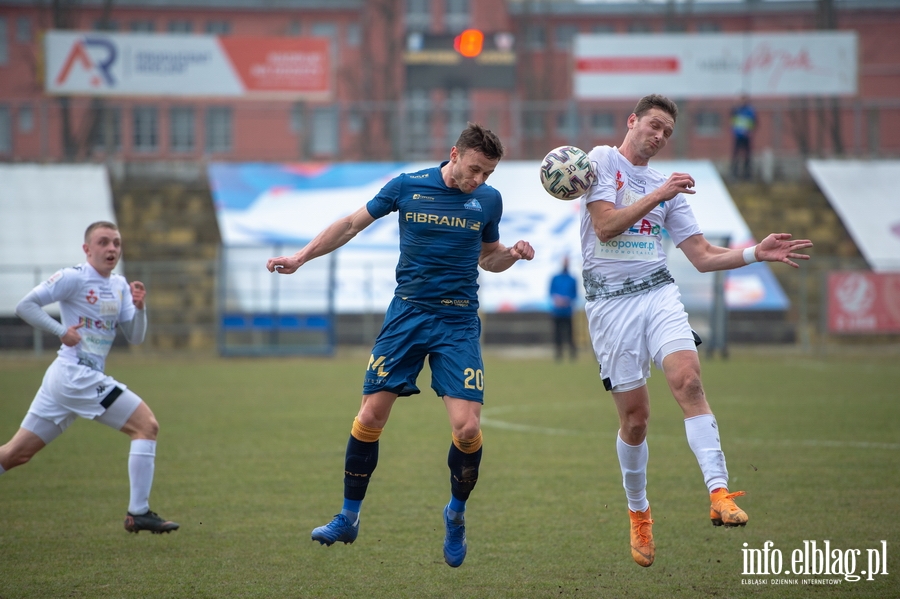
(280, 64)
(863, 302)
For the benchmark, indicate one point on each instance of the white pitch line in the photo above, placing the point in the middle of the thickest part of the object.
(527, 428)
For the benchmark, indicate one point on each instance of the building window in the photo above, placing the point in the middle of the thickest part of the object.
(418, 14)
(107, 25)
(354, 120)
(567, 124)
(675, 27)
(639, 27)
(456, 16)
(418, 119)
(324, 139)
(329, 30)
(458, 106)
(145, 124)
(107, 132)
(602, 123)
(180, 26)
(353, 35)
(4, 42)
(218, 27)
(564, 36)
(533, 123)
(536, 37)
(143, 26)
(23, 30)
(708, 27)
(298, 112)
(708, 123)
(181, 128)
(5, 130)
(218, 129)
(26, 119)
(604, 28)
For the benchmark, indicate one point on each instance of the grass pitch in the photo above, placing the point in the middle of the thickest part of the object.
(250, 459)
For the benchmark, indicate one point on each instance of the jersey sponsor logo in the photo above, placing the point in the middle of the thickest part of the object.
(442, 221)
(96, 324)
(645, 228)
(459, 303)
(627, 247)
(91, 297)
(422, 176)
(419, 196)
(109, 308)
(637, 185)
(473, 204)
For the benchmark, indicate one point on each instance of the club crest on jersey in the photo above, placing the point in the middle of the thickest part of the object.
(91, 297)
(619, 181)
(472, 204)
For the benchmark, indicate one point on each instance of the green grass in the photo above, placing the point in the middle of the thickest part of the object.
(250, 459)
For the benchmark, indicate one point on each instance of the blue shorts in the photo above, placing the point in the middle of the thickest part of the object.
(452, 344)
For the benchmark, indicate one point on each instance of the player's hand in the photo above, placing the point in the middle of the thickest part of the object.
(779, 247)
(71, 338)
(283, 264)
(138, 293)
(522, 250)
(675, 184)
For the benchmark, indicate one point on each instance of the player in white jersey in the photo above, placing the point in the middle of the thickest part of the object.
(634, 308)
(93, 303)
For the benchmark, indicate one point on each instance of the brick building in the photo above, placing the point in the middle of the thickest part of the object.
(399, 90)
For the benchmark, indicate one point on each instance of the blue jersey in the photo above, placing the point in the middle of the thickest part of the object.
(441, 232)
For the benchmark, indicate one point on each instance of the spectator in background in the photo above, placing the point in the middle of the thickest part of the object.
(743, 122)
(563, 291)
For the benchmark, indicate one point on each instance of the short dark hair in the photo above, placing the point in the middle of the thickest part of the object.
(476, 137)
(656, 101)
(100, 224)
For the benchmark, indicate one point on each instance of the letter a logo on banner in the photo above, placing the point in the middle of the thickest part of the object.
(79, 54)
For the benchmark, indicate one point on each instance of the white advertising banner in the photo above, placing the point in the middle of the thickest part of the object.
(722, 65)
(864, 195)
(112, 64)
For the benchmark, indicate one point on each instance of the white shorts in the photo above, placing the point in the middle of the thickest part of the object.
(71, 390)
(628, 332)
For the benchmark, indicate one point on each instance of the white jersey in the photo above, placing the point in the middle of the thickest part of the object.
(633, 262)
(97, 302)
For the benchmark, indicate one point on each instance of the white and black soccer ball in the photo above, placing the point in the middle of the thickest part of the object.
(567, 173)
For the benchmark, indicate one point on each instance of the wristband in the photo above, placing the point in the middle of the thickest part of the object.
(750, 255)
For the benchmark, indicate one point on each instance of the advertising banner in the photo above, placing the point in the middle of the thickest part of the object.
(721, 65)
(122, 64)
(863, 302)
(286, 205)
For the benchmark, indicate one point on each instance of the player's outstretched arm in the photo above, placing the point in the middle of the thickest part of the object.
(496, 257)
(777, 247)
(334, 236)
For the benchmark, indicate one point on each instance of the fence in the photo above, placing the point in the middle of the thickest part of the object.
(187, 302)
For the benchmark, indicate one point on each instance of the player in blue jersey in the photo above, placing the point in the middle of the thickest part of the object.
(449, 223)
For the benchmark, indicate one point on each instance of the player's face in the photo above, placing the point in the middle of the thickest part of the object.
(470, 169)
(651, 132)
(103, 250)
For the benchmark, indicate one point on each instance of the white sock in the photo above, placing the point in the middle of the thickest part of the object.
(633, 461)
(703, 437)
(141, 460)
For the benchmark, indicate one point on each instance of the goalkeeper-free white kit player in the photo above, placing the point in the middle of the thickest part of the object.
(93, 303)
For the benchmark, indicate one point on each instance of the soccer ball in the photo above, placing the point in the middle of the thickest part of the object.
(566, 173)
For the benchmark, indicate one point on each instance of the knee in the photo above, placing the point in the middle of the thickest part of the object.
(634, 429)
(688, 386)
(148, 429)
(15, 458)
(467, 429)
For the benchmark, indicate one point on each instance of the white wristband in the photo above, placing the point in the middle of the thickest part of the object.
(750, 255)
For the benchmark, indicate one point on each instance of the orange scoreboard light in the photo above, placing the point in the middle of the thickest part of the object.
(469, 43)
